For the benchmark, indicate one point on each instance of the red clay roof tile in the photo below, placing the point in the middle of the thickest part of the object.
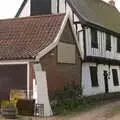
(24, 38)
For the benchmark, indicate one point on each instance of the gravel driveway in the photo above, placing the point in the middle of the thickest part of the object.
(109, 111)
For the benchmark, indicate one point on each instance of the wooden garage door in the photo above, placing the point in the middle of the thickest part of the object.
(12, 77)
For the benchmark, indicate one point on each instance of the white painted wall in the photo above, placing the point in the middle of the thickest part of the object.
(42, 89)
(61, 6)
(53, 6)
(69, 10)
(26, 10)
(111, 85)
(101, 50)
(35, 90)
(86, 79)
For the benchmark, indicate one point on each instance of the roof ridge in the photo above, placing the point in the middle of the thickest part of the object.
(35, 16)
(107, 4)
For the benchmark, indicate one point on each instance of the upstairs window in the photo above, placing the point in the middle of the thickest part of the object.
(94, 78)
(58, 5)
(66, 53)
(94, 41)
(118, 45)
(108, 42)
(115, 77)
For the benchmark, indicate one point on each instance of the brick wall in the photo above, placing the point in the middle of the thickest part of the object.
(59, 74)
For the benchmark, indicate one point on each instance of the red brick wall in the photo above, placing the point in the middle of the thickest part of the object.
(59, 74)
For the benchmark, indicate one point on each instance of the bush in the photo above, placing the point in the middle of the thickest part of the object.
(66, 100)
(8, 109)
(80, 103)
(8, 104)
(70, 91)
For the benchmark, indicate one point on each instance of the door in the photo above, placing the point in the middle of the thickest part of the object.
(12, 77)
(106, 81)
(4, 88)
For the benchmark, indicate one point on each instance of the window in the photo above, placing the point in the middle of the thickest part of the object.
(118, 44)
(66, 53)
(108, 42)
(94, 42)
(58, 6)
(115, 77)
(93, 74)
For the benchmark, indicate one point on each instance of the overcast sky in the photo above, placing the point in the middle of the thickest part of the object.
(8, 8)
(117, 3)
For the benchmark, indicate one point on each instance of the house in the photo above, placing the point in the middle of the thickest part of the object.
(97, 27)
(41, 48)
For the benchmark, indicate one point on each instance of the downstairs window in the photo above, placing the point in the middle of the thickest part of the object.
(115, 77)
(93, 74)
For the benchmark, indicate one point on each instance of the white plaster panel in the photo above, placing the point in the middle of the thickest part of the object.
(26, 10)
(76, 19)
(42, 89)
(86, 80)
(54, 6)
(61, 6)
(69, 10)
(81, 42)
(101, 50)
(111, 85)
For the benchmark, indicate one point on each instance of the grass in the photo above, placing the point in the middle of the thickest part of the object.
(83, 109)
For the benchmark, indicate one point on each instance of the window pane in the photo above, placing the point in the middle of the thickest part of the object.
(93, 73)
(118, 45)
(108, 42)
(94, 42)
(115, 77)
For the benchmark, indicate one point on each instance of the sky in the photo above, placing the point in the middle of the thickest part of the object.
(117, 3)
(8, 8)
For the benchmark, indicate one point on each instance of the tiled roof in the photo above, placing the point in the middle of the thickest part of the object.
(24, 38)
(97, 12)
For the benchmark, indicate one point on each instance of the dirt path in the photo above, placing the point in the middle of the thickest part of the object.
(110, 111)
(105, 112)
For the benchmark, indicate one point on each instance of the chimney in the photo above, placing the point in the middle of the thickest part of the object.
(112, 2)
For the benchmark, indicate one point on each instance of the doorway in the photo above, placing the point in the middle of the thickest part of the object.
(12, 77)
(106, 81)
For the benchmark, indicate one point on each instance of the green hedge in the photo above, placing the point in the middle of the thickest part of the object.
(70, 99)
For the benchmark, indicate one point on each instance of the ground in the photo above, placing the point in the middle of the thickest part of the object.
(108, 111)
